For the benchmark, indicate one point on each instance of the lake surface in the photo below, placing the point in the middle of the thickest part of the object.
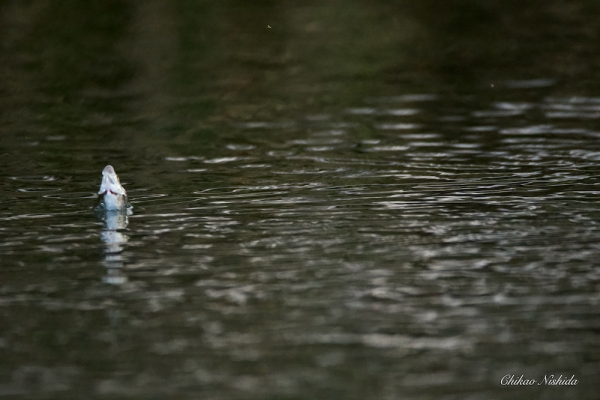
(372, 200)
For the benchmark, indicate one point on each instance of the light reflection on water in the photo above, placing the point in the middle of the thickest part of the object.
(114, 239)
(429, 255)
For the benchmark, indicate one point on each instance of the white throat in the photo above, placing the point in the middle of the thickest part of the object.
(115, 197)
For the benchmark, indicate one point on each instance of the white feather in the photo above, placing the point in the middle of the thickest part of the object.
(115, 197)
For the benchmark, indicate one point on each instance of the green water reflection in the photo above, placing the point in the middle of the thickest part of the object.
(179, 68)
(357, 199)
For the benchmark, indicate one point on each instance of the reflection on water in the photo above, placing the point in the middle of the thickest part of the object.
(382, 201)
(114, 239)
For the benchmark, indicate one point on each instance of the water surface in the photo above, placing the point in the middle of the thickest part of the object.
(320, 211)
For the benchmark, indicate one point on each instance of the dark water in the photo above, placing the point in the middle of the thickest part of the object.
(372, 200)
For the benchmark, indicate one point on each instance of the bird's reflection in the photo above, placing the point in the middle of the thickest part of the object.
(113, 237)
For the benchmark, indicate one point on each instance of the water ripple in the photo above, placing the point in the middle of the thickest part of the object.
(380, 231)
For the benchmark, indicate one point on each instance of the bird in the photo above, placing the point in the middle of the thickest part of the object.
(113, 195)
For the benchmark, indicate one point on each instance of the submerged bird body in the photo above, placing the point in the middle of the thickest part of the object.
(113, 194)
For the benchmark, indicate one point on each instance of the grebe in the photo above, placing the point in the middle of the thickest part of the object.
(113, 194)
